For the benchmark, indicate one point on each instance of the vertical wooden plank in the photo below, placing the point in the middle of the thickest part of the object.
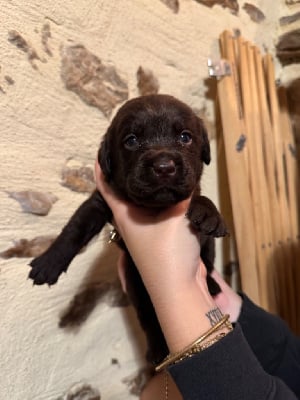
(234, 130)
(289, 149)
(288, 279)
(277, 259)
(258, 182)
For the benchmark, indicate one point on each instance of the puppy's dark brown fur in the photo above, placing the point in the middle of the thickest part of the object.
(152, 155)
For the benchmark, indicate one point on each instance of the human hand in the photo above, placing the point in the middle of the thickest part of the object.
(166, 253)
(155, 238)
(228, 301)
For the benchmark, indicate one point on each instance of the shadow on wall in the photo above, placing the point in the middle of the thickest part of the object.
(102, 285)
(293, 95)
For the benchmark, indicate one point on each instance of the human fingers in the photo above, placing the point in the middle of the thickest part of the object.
(107, 192)
(137, 214)
(227, 300)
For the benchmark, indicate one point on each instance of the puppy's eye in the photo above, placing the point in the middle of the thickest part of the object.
(131, 142)
(185, 137)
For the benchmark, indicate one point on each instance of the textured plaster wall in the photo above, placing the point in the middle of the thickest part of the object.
(43, 125)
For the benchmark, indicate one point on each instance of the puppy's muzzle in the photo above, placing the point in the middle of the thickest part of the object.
(164, 167)
(160, 178)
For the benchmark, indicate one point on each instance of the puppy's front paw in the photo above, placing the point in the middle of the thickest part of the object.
(45, 269)
(205, 217)
(208, 224)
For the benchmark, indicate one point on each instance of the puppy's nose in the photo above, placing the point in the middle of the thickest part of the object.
(164, 167)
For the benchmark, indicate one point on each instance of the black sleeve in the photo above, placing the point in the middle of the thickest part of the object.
(275, 346)
(227, 370)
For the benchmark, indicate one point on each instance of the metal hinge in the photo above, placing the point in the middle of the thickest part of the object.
(218, 68)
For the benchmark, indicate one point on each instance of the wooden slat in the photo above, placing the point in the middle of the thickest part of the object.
(275, 263)
(289, 149)
(233, 129)
(260, 197)
(287, 282)
(292, 195)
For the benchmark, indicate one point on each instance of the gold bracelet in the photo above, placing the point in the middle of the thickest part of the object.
(199, 347)
(196, 347)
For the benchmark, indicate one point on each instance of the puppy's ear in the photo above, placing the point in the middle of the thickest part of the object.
(104, 159)
(205, 151)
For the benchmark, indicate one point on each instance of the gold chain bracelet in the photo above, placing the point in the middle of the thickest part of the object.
(197, 345)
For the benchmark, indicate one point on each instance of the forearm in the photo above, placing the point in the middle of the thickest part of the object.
(181, 299)
(275, 346)
(185, 313)
(174, 276)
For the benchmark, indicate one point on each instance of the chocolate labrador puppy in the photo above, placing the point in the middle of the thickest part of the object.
(152, 155)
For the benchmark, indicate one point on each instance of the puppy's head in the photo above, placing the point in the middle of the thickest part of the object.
(153, 151)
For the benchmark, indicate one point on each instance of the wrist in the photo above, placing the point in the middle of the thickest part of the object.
(184, 313)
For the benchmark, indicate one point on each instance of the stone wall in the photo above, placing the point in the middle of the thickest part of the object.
(288, 53)
(65, 68)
